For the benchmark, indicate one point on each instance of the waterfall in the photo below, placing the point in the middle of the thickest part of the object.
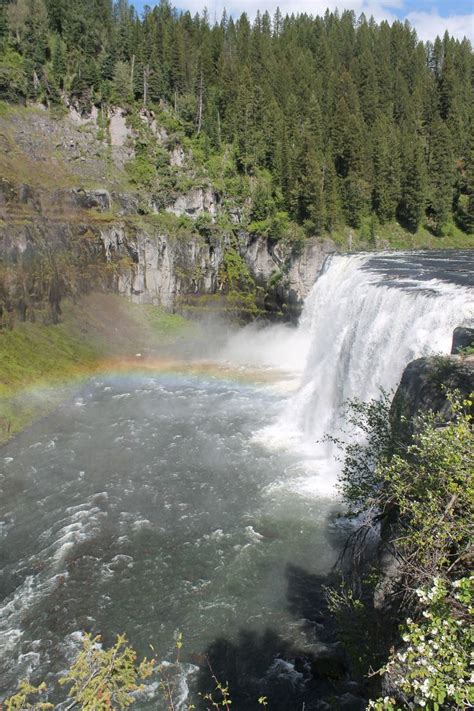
(363, 329)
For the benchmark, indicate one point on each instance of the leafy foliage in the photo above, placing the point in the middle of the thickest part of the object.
(433, 666)
(425, 488)
(101, 679)
(238, 284)
(23, 701)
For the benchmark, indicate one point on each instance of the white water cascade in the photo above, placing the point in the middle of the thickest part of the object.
(362, 332)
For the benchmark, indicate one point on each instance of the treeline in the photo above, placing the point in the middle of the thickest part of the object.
(337, 117)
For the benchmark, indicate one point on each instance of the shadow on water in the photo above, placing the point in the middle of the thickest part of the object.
(314, 676)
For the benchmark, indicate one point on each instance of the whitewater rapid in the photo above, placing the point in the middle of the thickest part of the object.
(362, 323)
(196, 498)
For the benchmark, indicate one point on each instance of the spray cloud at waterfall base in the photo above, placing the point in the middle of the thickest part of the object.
(365, 319)
(155, 500)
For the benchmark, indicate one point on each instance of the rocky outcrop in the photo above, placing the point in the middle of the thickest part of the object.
(304, 268)
(463, 339)
(58, 240)
(118, 129)
(91, 199)
(43, 261)
(424, 387)
(161, 268)
(287, 274)
(194, 203)
(68, 241)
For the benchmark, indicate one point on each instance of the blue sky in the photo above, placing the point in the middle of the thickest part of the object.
(428, 18)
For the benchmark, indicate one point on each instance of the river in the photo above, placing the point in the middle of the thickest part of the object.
(197, 500)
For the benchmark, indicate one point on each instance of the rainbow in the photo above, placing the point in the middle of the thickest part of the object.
(182, 367)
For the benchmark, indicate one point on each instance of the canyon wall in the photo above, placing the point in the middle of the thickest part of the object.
(66, 242)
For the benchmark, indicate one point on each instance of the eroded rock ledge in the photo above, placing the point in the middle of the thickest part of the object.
(426, 383)
(73, 240)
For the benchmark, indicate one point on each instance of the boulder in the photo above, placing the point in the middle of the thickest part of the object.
(424, 387)
(463, 337)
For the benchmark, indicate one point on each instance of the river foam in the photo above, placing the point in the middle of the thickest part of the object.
(362, 328)
(171, 495)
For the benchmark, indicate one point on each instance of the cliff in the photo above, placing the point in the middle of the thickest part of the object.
(72, 221)
(426, 382)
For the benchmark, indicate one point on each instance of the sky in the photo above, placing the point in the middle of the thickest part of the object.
(428, 18)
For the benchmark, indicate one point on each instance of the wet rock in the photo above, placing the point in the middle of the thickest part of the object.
(330, 663)
(349, 702)
(463, 337)
(424, 387)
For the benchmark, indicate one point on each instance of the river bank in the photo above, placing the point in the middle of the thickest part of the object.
(39, 362)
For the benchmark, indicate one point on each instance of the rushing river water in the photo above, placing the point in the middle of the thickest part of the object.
(196, 502)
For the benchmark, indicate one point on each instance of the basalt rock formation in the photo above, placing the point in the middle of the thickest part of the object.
(60, 237)
(425, 386)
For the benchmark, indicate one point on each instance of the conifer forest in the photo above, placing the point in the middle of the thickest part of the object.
(335, 117)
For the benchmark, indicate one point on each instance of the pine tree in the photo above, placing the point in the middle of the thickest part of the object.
(447, 80)
(348, 116)
(122, 82)
(3, 27)
(441, 177)
(56, 15)
(308, 198)
(468, 216)
(59, 62)
(411, 208)
(331, 195)
(386, 183)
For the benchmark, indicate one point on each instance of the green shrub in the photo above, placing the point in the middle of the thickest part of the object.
(13, 84)
(104, 679)
(426, 488)
(141, 171)
(23, 701)
(238, 284)
(432, 669)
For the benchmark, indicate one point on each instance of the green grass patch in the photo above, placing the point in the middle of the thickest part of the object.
(38, 362)
(393, 236)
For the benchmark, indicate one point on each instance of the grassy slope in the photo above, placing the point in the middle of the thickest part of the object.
(393, 236)
(37, 361)
(36, 149)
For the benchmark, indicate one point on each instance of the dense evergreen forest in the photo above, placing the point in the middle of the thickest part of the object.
(336, 118)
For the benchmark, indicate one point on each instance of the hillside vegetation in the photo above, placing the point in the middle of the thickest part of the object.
(320, 124)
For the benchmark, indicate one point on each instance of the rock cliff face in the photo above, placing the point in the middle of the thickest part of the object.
(424, 387)
(286, 277)
(74, 240)
(166, 269)
(158, 268)
(164, 242)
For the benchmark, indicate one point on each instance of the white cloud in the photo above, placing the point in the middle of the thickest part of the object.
(379, 9)
(430, 24)
(427, 24)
